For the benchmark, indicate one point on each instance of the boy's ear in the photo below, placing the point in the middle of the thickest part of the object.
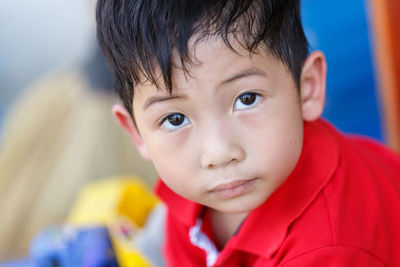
(126, 122)
(313, 86)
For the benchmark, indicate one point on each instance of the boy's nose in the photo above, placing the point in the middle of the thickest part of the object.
(220, 148)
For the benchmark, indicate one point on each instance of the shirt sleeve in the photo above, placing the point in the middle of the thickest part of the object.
(335, 256)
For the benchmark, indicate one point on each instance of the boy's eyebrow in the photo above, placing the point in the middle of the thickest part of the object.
(245, 73)
(157, 99)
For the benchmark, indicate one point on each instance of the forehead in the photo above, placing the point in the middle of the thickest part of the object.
(211, 61)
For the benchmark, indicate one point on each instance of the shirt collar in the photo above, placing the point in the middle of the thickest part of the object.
(315, 168)
(318, 161)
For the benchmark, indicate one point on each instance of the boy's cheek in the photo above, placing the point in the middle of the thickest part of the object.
(168, 158)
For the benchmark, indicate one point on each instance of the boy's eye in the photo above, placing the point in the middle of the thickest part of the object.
(246, 100)
(174, 121)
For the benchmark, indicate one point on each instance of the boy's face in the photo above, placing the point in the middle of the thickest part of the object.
(230, 133)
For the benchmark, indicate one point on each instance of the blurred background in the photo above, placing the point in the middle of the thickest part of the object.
(57, 132)
(37, 37)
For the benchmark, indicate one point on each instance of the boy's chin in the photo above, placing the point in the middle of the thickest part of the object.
(241, 207)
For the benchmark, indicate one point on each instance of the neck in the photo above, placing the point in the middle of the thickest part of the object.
(224, 225)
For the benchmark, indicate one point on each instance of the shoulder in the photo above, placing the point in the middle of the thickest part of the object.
(331, 256)
(363, 149)
(362, 200)
(361, 157)
(367, 170)
(355, 215)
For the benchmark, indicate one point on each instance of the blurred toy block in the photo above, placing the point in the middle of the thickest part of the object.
(67, 246)
(101, 228)
(103, 201)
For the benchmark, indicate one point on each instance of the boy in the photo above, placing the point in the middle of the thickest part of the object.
(224, 99)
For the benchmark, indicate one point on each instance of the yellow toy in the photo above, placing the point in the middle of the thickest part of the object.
(122, 204)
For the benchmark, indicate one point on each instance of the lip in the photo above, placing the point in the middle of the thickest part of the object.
(234, 188)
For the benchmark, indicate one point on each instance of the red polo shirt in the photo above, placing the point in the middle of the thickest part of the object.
(339, 207)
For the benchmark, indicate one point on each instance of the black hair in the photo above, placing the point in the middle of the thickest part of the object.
(139, 37)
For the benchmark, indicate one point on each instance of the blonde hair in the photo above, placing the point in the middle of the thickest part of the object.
(59, 136)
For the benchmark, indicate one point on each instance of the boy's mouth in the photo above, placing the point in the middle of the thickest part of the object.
(234, 188)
